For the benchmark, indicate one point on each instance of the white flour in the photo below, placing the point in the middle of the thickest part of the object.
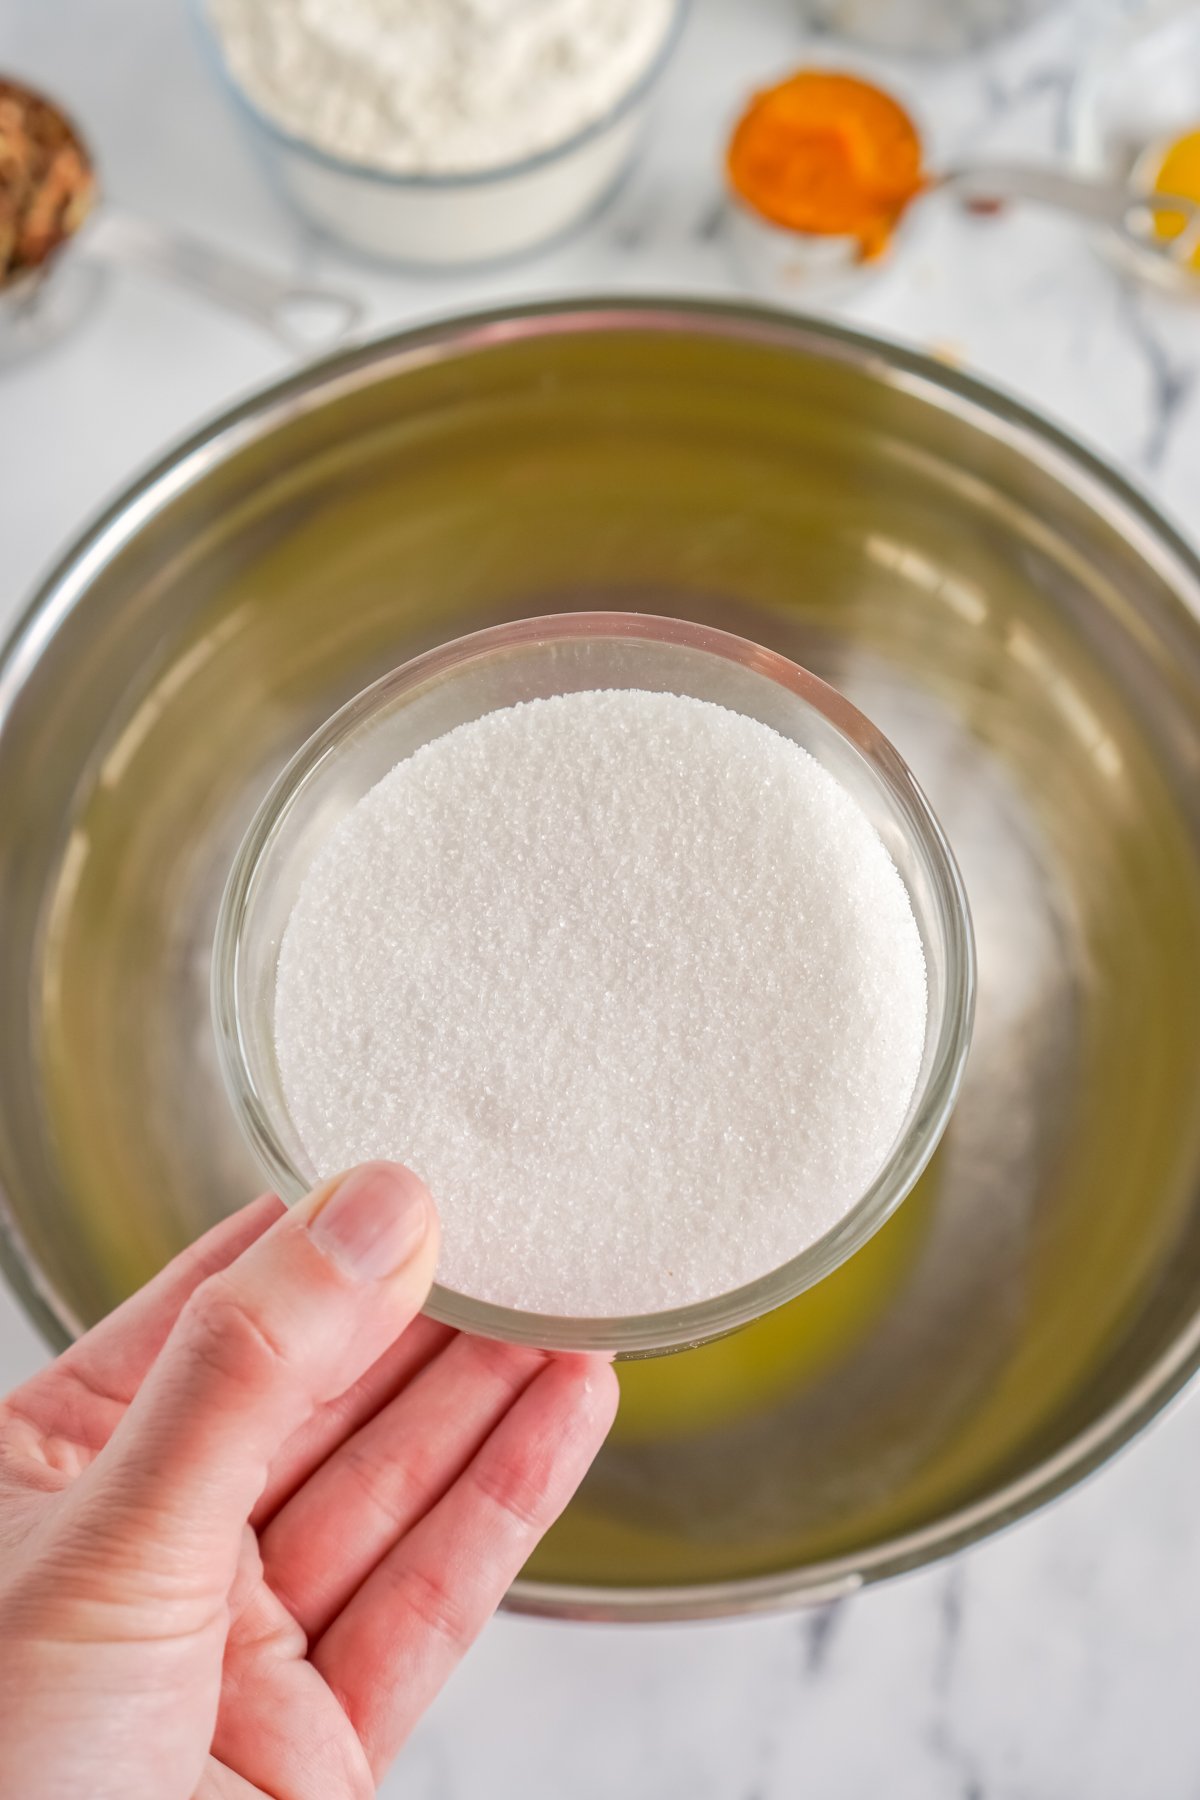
(629, 979)
(429, 86)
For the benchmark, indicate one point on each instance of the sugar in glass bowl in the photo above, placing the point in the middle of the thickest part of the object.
(538, 658)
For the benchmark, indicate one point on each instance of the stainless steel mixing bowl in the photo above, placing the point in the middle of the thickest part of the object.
(1020, 624)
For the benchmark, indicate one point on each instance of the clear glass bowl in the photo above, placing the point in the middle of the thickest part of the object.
(441, 220)
(535, 657)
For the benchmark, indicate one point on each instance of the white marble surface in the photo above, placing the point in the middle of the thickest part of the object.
(1062, 1659)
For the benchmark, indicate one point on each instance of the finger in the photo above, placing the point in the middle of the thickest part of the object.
(390, 1650)
(220, 1783)
(257, 1348)
(278, 1724)
(324, 1543)
(84, 1392)
(332, 1424)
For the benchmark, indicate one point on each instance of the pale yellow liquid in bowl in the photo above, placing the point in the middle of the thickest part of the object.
(747, 1371)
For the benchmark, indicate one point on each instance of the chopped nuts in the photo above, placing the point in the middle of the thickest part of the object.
(47, 186)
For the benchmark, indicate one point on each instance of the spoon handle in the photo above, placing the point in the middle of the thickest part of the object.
(1123, 209)
(305, 318)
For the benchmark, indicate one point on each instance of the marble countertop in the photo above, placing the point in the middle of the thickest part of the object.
(1061, 1659)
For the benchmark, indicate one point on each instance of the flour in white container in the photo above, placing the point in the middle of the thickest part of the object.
(438, 86)
(628, 978)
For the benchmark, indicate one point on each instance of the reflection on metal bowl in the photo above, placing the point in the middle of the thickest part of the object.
(1020, 624)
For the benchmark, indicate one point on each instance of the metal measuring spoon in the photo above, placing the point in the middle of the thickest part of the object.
(50, 247)
(791, 266)
(1128, 209)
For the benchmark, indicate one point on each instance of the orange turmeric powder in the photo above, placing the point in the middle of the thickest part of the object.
(827, 153)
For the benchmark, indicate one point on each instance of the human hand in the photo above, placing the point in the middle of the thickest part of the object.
(250, 1523)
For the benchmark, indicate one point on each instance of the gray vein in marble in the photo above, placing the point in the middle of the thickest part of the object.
(707, 227)
(1003, 96)
(632, 233)
(1000, 94)
(943, 1737)
(960, 1761)
(951, 1607)
(1171, 379)
(817, 1633)
(776, 1701)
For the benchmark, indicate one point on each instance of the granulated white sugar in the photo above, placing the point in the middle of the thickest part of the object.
(628, 978)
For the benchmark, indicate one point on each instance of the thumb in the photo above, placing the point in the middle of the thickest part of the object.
(292, 1323)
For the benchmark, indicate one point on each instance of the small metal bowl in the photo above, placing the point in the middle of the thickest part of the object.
(529, 659)
(439, 220)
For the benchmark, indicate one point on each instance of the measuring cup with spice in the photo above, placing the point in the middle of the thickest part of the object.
(821, 169)
(824, 167)
(54, 236)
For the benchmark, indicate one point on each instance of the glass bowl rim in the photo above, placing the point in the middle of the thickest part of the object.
(445, 180)
(931, 1104)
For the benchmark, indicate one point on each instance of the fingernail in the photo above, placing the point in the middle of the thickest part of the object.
(374, 1222)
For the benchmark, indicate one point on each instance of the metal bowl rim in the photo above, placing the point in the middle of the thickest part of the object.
(985, 406)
